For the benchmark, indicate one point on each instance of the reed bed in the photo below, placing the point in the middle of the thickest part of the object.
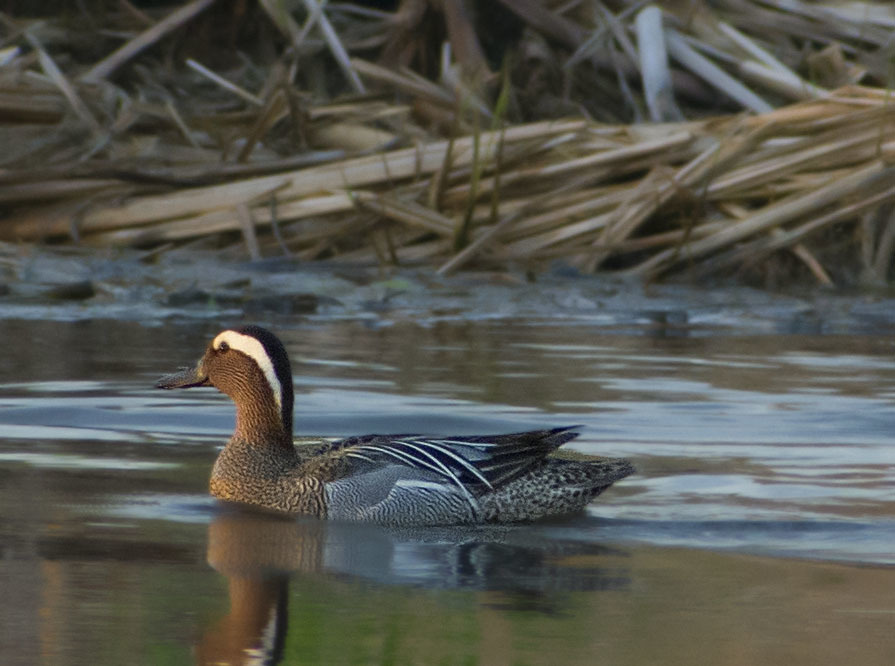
(759, 151)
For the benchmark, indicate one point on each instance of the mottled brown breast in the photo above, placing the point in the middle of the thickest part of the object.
(288, 494)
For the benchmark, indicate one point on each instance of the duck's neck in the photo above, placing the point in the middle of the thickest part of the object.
(261, 425)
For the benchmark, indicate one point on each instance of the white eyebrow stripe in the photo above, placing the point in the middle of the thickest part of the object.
(253, 348)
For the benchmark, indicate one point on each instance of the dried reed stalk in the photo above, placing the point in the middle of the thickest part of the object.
(258, 163)
(818, 154)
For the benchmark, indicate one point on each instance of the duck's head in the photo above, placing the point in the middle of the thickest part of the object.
(251, 366)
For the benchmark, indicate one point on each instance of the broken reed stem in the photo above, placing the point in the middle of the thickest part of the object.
(768, 217)
(714, 75)
(408, 212)
(129, 49)
(464, 255)
(339, 53)
(347, 175)
(698, 170)
(657, 85)
(248, 231)
(219, 80)
(65, 87)
(577, 189)
(754, 251)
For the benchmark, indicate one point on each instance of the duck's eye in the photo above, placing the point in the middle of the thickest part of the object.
(223, 347)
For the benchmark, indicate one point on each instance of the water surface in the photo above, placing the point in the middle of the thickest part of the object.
(760, 527)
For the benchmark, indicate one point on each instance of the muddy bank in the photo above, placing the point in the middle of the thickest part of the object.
(67, 284)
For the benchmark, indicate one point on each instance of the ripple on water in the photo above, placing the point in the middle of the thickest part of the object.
(759, 443)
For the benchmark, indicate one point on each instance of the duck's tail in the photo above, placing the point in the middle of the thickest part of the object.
(556, 487)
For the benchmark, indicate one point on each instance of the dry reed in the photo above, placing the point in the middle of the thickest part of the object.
(429, 169)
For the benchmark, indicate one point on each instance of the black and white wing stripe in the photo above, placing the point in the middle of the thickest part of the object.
(472, 464)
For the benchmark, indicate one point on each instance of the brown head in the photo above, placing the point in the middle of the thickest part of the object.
(250, 365)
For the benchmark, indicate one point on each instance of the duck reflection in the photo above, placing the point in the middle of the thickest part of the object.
(514, 568)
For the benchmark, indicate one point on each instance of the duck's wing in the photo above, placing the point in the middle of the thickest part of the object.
(474, 464)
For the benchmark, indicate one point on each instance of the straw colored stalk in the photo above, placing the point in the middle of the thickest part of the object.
(714, 75)
(127, 51)
(641, 202)
(547, 230)
(846, 150)
(345, 175)
(755, 63)
(598, 165)
(406, 82)
(756, 250)
(659, 187)
(571, 189)
(55, 74)
(772, 216)
(218, 221)
(37, 106)
(225, 220)
(657, 84)
(42, 191)
(308, 238)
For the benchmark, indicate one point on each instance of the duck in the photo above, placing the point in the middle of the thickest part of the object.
(401, 479)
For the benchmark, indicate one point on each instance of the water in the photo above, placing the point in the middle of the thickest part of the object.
(760, 527)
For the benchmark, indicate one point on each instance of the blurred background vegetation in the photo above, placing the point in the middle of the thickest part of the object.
(734, 137)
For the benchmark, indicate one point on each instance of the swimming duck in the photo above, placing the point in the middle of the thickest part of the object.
(391, 479)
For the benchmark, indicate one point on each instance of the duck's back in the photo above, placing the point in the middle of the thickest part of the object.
(405, 480)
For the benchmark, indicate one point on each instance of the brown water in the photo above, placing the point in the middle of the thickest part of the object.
(760, 528)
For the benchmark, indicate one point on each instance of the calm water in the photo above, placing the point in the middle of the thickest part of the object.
(760, 528)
